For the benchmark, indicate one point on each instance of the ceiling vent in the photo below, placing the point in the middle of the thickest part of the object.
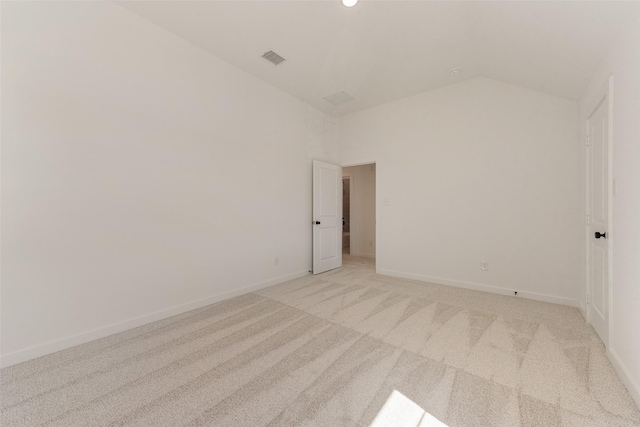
(273, 57)
(339, 98)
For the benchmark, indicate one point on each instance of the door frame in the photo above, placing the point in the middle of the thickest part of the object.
(350, 176)
(605, 94)
(367, 161)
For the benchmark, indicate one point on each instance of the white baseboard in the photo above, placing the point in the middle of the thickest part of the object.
(480, 287)
(363, 255)
(84, 337)
(625, 376)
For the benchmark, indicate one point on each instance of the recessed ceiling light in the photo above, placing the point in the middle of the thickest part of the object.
(455, 71)
(349, 3)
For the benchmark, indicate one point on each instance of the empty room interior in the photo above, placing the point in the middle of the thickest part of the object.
(317, 213)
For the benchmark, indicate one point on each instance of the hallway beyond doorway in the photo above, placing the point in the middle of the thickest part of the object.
(359, 211)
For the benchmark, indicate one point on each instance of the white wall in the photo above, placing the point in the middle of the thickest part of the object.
(623, 63)
(363, 209)
(477, 171)
(141, 176)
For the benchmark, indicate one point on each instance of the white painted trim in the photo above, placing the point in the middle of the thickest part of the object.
(378, 214)
(483, 288)
(94, 334)
(366, 161)
(363, 255)
(611, 237)
(587, 228)
(359, 162)
(625, 376)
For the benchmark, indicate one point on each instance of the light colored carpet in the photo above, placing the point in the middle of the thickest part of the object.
(329, 350)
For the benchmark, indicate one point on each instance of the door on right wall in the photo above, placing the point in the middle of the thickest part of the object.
(598, 237)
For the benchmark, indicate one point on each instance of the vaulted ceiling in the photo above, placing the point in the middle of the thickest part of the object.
(379, 51)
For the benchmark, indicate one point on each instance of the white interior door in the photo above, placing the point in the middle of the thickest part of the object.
(327, 216)
(598, 237)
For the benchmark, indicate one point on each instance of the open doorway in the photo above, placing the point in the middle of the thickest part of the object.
(359, 212)
(346, 213)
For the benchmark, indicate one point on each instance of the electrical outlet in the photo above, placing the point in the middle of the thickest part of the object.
(484, 265)
(276, 261)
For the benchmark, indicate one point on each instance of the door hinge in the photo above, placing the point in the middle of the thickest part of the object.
(588, 141)
(588, 219)
(588, 299)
